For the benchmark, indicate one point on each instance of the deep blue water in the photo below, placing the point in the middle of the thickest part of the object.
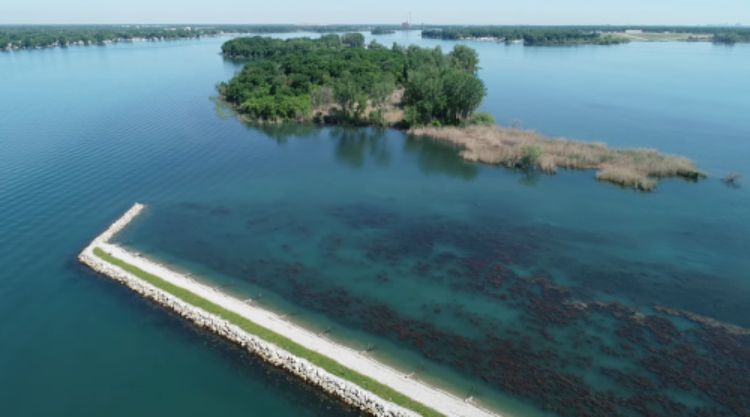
(384, 241)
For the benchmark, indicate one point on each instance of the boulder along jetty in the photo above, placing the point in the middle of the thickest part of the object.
(354, 378)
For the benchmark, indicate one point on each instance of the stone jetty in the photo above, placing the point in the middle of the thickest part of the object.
(347, 391)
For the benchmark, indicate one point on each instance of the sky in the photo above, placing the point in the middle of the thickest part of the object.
(547, 12)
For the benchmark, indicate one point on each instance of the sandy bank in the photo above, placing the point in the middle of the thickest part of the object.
(438, 400)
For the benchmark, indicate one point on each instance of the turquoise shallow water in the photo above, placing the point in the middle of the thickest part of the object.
(471, 276)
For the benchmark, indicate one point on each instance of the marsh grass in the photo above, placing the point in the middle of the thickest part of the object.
(513, 147)
(329, 364)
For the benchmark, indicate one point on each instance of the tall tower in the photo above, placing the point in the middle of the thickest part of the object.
(407, 25)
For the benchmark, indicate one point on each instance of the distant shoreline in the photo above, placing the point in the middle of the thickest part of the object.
(551, 36)
(21, 37)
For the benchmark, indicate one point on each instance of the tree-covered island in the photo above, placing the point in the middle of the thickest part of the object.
(589, 35)
(381, 30)
(528, 35)
(340, 80)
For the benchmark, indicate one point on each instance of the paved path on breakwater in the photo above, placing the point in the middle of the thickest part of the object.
(439, 400)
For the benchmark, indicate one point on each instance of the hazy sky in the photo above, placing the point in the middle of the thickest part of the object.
(378, 11)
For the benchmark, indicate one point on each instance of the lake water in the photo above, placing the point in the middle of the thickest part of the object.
(537, 295)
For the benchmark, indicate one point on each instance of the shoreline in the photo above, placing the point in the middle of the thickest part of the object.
(511, 151)
(430, 397)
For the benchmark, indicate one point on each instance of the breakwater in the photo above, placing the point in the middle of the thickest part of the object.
(120, 265)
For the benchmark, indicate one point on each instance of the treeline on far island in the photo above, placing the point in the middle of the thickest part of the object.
(14, 37)
(31, 37)
(341, 80)
(589, 35)
(531, 36)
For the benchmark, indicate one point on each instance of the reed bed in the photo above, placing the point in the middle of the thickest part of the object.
(633, 168)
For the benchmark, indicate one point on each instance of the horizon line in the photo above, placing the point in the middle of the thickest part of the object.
(738, 24)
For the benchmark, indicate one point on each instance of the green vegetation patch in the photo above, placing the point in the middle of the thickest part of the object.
(28, 37)
(283, 342)
(339, 79)
(382, 30)
(45, 36)
(531, 36)
(589, 35)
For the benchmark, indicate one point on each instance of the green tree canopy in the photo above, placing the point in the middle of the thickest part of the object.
(353, 40)
(295, 79)
(465, 58)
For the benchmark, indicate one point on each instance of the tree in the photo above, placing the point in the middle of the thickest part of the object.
(463, 94)
(418, 58)
(380, 94)
(447, 95)
(464, 58)
(349, 97)
(322, 96)
(353, 40)
(331, 41)
(375, 45)
(424, 96)
(381, 91)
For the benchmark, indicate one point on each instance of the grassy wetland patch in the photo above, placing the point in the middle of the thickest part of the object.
(633, 168)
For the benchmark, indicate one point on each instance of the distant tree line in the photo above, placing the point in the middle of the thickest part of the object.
(720, 34)
(381, 30)
(45, 36)
(295, 79)
(532, 36)
(28, 37)
(732, 37)
(578, 35)
(288, 28)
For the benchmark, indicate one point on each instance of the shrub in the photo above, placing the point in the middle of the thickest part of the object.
(531, 154)
(482, 119)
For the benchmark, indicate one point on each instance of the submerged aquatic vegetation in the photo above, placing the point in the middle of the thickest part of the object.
(633, 168)
(563, 344)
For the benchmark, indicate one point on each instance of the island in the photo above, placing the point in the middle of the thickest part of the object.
(589, 35)
(382, 30)
(529, 36)
(338, 80)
